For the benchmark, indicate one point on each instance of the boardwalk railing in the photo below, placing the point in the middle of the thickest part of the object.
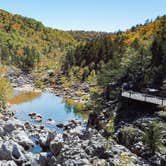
(144, 97)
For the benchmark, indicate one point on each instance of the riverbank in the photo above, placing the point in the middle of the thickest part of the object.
(27, 88)
(24, 83)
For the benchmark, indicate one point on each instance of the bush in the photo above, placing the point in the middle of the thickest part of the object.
(110, 126)
(92, 78)
(39, 84)
(128, 136)
(5, 92)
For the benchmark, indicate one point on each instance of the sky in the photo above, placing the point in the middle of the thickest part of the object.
(96, 15)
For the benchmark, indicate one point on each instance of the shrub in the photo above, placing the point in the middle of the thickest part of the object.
(110, 126)
(39, 84)
(129, 135)
(92, 78)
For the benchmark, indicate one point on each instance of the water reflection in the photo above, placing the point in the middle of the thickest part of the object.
(76, 106)
(25, 97)
(48, 106)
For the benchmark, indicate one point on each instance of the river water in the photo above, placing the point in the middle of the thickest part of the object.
(49, 106)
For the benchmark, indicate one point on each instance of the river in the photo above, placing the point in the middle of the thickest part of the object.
(49, 106)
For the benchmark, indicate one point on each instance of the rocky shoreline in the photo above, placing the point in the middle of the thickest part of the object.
(24, 83)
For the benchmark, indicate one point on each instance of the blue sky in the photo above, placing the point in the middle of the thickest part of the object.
(98, 15)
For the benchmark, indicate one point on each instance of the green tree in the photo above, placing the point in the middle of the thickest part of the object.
(28, 60)
(5, 92)
(152, 137)
(158, 50)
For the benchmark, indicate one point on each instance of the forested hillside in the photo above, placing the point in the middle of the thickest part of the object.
(27, 43)
(136, 55)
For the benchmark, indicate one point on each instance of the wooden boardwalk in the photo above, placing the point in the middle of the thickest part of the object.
(144, 97)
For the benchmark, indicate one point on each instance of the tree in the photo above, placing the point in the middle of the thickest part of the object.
(111, 72)
(152, 137)
(5, 92)
(28, 60)
(158, 50)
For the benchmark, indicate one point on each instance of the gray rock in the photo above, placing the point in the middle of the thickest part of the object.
(7, 163)
(80, 162)
(32, 158)
(43, 160)
(22, 138)
(50, 136)
(96, 146)
(2, 132)
(9, 126)
(38, 119)
(10, 150)
(43, 141)
(56, 145)
(27, 125)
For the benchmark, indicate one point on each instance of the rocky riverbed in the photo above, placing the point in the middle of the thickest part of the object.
(77, 145)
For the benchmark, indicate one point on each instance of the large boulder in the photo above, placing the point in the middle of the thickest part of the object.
(32, 158)
(22, 138)
(9, 126)
(7, 163)
(10, 150)
(50, 136)
(97, 146)
(2, 132)
(46, 138)
(128, 136)
(43, 141)
(43, 160)
(47, 159)
(80, 162)
(56, 145)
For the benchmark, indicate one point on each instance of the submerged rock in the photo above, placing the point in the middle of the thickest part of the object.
(33, 114)
(38, 119)
(60, 125)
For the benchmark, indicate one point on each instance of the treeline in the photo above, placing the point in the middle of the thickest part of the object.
(136, 55)
(86, 35)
